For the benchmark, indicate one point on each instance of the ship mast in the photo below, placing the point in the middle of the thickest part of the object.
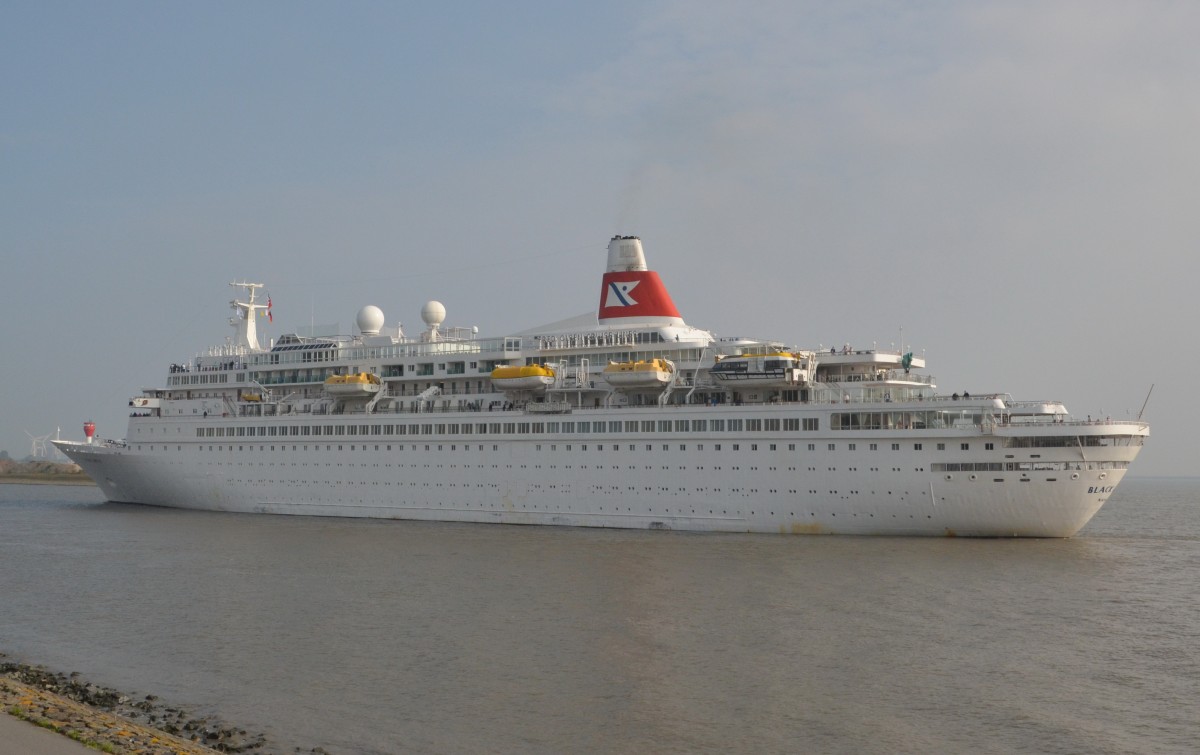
(247, 311)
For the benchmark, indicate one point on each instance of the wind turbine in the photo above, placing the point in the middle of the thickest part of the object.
(37, 446)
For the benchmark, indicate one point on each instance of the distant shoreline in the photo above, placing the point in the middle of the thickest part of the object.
(46, 480)
(42, 473)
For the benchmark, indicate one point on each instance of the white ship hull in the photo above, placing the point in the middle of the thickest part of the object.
(629, 481)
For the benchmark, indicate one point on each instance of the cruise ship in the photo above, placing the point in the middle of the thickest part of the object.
(626, 416)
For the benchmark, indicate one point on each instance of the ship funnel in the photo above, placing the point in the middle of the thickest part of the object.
(631, 294)
(625, 254)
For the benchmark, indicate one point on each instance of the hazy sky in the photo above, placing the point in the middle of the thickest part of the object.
(1013, 186)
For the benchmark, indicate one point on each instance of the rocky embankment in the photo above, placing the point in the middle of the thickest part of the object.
(110, 721)
(42, 472)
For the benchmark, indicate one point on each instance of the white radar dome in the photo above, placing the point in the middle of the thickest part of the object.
(433, 313)
(370, 320)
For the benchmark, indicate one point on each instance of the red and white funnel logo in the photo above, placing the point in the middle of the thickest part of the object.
(620, 294)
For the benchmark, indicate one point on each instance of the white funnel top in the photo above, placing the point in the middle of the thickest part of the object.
(625, 254)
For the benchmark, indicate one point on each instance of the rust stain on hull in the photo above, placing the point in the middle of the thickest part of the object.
(815, 528)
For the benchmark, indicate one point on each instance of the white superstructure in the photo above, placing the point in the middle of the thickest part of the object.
(719, 434)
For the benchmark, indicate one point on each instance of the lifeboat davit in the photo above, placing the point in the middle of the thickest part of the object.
(649, 373)
(357, 385)
(530, 377)
(774, 369)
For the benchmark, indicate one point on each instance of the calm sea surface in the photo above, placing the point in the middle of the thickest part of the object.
(396, 637)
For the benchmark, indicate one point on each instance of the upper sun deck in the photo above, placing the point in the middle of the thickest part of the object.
(847, 357)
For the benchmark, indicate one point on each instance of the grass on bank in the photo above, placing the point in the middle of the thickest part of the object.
(46, 723)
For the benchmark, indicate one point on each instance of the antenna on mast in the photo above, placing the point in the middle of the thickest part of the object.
(1147, 401)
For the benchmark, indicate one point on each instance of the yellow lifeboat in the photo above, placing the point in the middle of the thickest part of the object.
(358, 384)
(649, 373)
(530, 377)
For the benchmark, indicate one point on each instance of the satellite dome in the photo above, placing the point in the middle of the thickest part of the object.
(433, 313)
(370, 320)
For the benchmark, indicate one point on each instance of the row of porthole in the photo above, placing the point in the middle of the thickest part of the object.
(1074, 476)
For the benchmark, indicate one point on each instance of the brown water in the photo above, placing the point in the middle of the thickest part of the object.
(382, 637)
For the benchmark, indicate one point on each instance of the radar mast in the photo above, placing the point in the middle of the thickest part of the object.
(247, 311)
